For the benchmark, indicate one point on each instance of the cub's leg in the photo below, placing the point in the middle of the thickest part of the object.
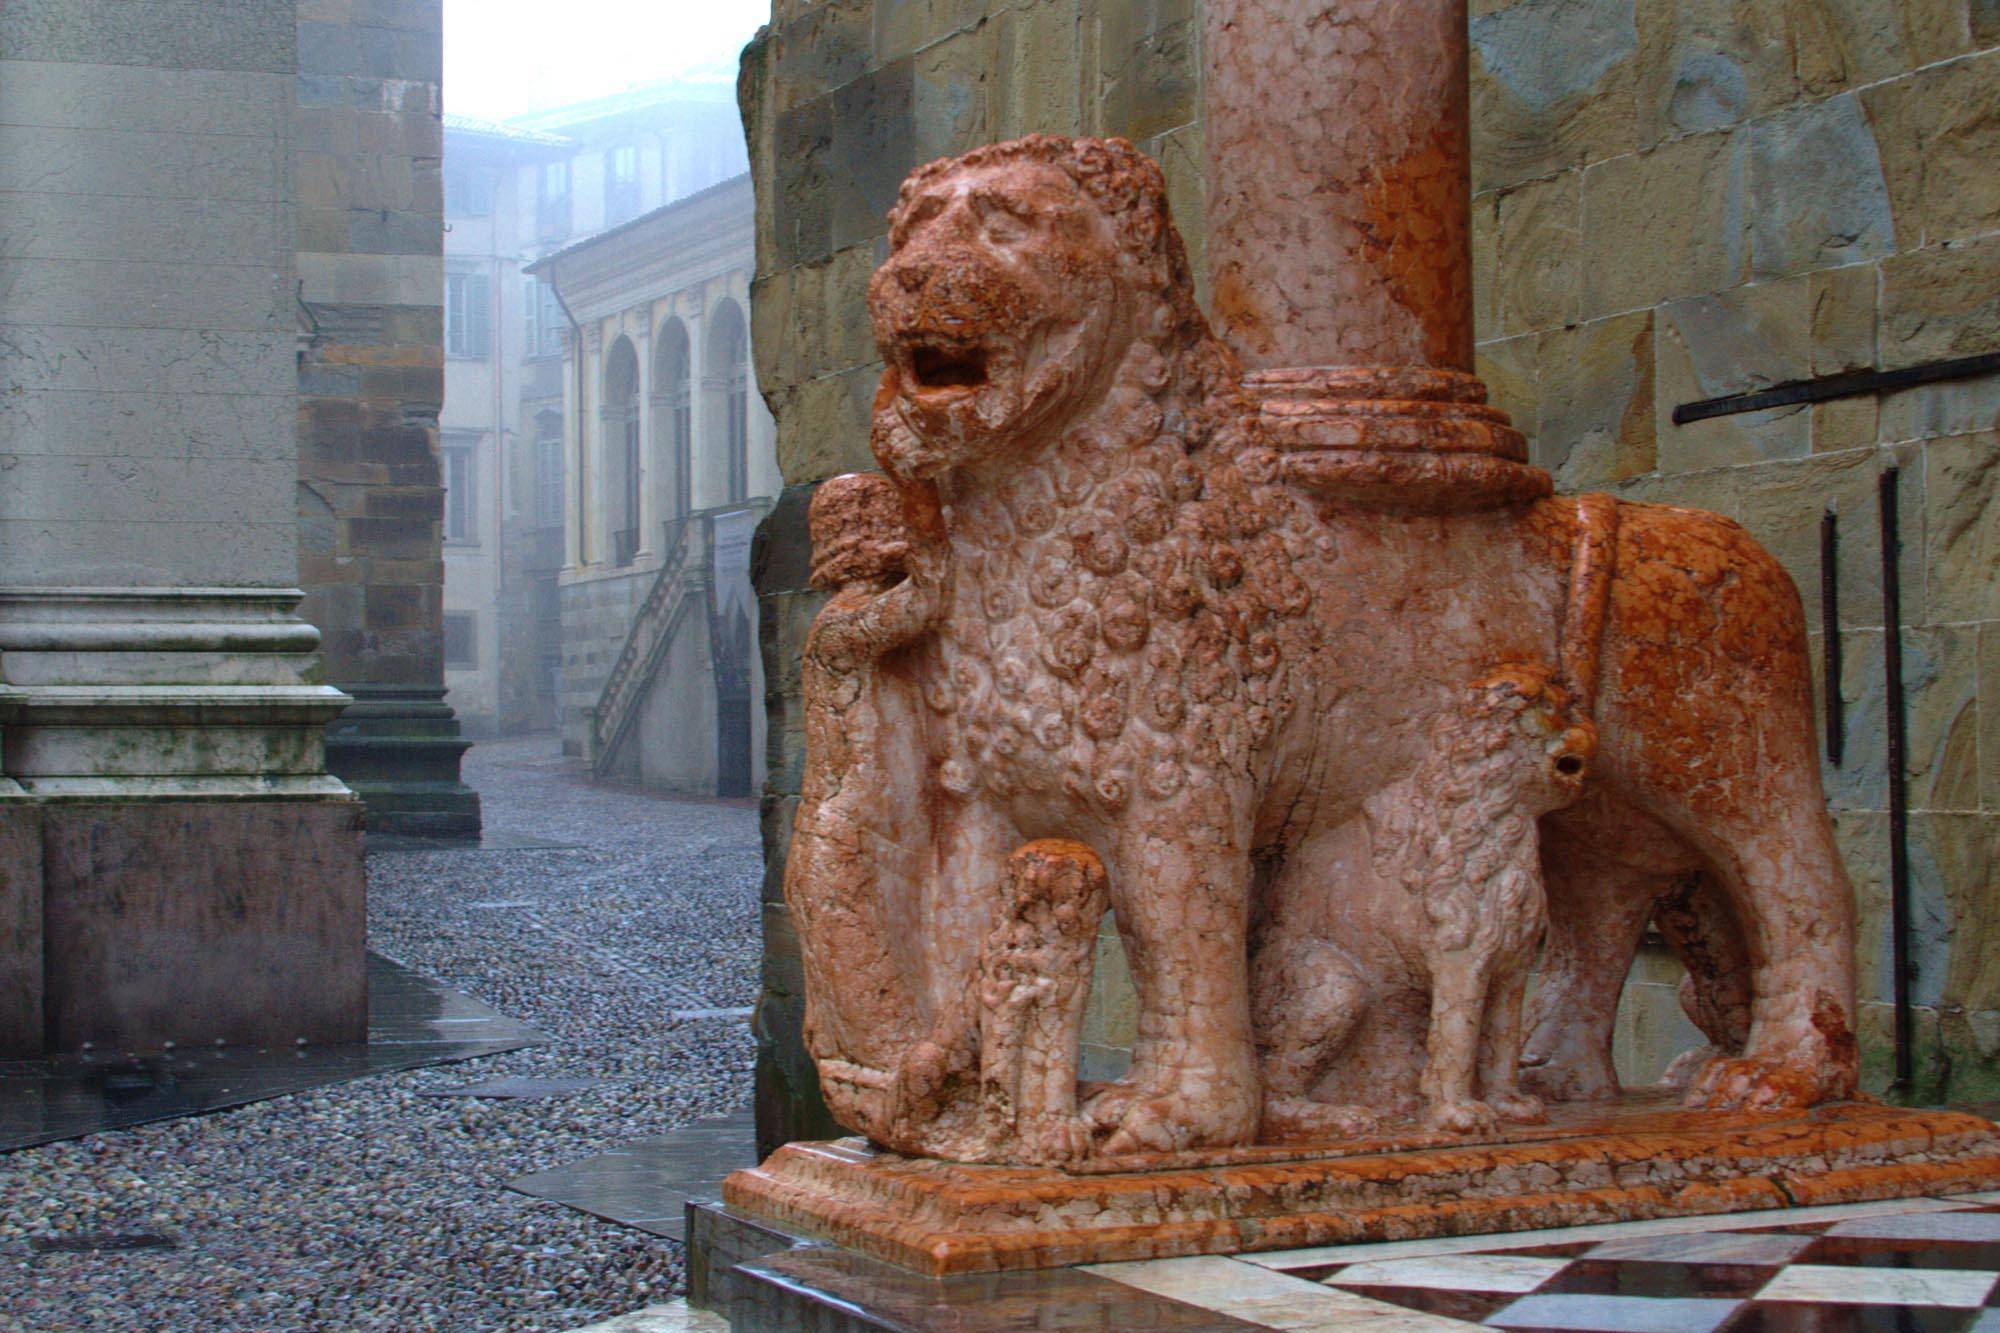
(1460, 980)
(1500, 1051)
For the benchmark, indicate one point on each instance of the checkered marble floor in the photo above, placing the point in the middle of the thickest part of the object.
(1903, 1266)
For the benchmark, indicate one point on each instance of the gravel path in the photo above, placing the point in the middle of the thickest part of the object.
(365, 1206)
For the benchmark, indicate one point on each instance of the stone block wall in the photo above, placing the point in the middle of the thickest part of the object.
(1681, 200)
(367, 160)
(1673, 201)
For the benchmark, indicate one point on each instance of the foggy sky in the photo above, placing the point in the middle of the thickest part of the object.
(506, 57)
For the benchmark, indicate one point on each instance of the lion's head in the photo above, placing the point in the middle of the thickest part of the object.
(1019, 278)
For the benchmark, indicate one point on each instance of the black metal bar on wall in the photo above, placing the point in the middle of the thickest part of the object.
(1844, 385)
(1899, 814)
(1829, 612)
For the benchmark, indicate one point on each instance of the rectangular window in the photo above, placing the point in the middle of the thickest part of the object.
(468, 192)
(552, 201)
(468, 315)
(544, 319)
(549, 473)
(460, 509)
(461, 640)
(621, 185)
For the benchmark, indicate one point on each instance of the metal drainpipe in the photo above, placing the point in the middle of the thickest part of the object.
(582, 452)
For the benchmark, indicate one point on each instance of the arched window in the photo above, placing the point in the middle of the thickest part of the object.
(621, 441)
(673, 411)
(729, 371)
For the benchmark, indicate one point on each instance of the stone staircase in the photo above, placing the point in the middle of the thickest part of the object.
(679, 590)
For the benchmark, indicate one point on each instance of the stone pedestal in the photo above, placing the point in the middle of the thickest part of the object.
(1640, 1158)
(176, 865)
(399, 748)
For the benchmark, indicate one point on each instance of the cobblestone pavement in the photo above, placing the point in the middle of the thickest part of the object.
(367, 1206)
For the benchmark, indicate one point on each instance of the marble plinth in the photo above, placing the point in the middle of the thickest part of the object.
(1642, 1157)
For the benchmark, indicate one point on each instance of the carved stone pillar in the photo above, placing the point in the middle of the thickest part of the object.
(1340, 247)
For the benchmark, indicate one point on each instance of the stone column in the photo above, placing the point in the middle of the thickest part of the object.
(176, 864)
(1339, 243)
(367, 153)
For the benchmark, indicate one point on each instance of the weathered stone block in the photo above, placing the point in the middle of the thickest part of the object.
(1733, 342)
(823, 425)
(1707, 64)
(21, 981)
(1988, 635)
(951, 96)
(1846, 423)
(822, 47)
(1941, 686)
(1540, 278)
(1148, 75)
(872, 150)
(1511, 370)
(1841, 44)
(198, 921)
(1818, 197)
(1939, 303)
(1963, 852)
(1553, 85)
(904, 26)
(1665, 223)
(1040, 70)
(1843, 319)
(1486, 266)
(1596, 423)
(167, 34)
(1961, 551)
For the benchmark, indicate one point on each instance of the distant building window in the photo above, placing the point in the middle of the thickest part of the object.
(459, 504)
(468, 315)
(461, 640)
(544, 316)
(738, 424)
(552, 201)
(548, 470)
(621, 185)
(468, 192)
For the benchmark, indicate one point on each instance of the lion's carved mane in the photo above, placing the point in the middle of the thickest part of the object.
(1136, 605)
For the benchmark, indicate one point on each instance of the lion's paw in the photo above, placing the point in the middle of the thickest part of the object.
(1518, 1108)
(1143, 1121)
(1745, 1083)
(1470, 1116)
(1300, 1119)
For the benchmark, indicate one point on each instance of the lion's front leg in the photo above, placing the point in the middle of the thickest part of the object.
(1180, 888)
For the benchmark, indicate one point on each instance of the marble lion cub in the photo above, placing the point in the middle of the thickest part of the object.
(1409, 955)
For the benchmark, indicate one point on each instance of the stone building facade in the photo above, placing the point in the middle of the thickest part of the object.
(669, 463)
(516, 192)
(1673, 202)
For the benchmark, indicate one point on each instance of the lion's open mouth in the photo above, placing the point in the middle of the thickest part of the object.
(939, 367)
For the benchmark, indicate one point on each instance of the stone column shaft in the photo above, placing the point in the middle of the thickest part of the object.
(1339, 244)
(1339, 182)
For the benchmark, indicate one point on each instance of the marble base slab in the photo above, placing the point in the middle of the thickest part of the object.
(1642, 1157)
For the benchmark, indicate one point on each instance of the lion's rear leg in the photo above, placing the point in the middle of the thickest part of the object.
(1598, 910)
(1785, 882)
(1696, 920)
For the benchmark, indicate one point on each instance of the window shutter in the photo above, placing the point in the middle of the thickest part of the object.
(478, 316)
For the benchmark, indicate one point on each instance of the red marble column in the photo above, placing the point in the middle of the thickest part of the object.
(1339, 245)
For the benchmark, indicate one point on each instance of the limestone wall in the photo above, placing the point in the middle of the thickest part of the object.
(1674, 200)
